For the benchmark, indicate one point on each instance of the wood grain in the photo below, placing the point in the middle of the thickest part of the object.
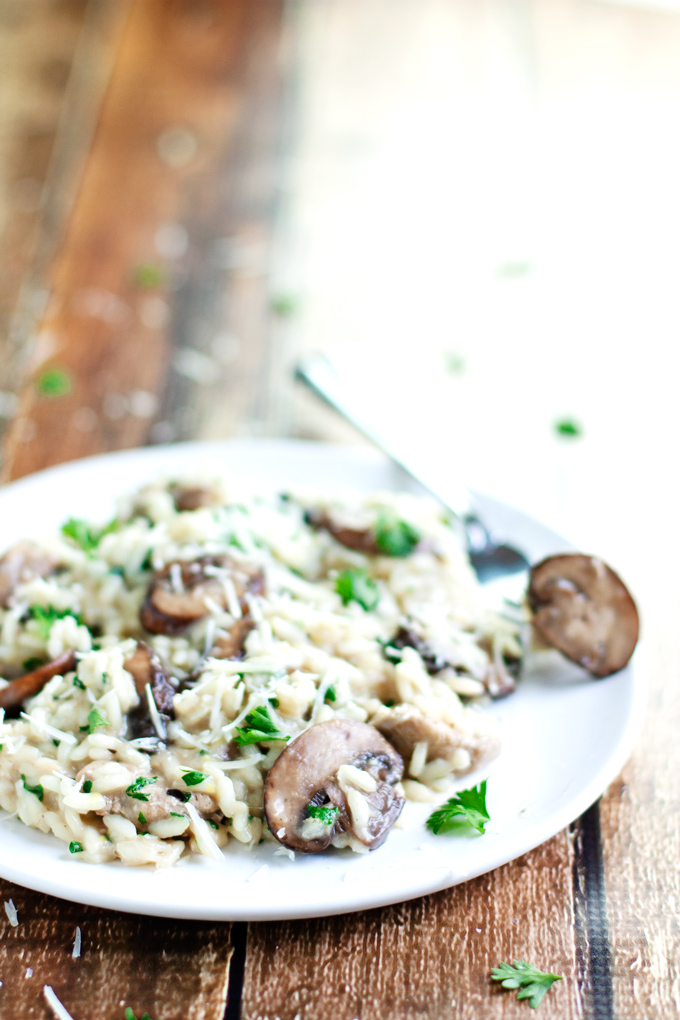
(177, 92)
(430, 957)
(173, 970)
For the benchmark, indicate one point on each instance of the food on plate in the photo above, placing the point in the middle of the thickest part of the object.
(584, 609)
(335, 783)
(163, 672)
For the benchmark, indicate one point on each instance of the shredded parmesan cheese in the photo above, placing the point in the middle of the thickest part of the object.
(55, 1005)
(11, 912)
(206, 844)
(76, 945)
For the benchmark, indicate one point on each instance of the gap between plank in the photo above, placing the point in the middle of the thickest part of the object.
(590, 908)
(239, 938)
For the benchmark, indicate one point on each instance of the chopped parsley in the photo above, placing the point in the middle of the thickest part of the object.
(180, 795)
(33, 663)
(330, 694)
(213, 823)
(395, 537)
(85, 535)
(468, 806)
(141, 819)
(324, 813)
(284, 305)
(357, 586)
(569, 428)
(45, 616)
(75, 848)
(258, 728)
(193, 778)
(177, 814)
(77, 682)
(37, 790)
(96, 720)
(87, 786)
(134, 790)
(129, 1015)
(532, 983)
(147, 275)
(53, 383)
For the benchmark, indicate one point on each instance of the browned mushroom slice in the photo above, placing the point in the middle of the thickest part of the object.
(359, 539)
(343, 766)
(404, 727)
(182, 592)
(147, 671)
(32, 683)
(231, 644)
(193, 497)
(584, 609)
(23, 562)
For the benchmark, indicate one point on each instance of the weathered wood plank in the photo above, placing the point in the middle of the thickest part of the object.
(430, 957)
(179, 95)
(174, 971)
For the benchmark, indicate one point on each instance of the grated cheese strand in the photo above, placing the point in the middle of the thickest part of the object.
(57, 1007)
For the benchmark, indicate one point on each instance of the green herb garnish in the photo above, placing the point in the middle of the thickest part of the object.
(141, 819)
(533, 983)
(96, 720)
(325, 813)
(193, 778)
(53, 383)
(395, 537)
(85, 535)
(37, 790)
(45, 616)
(33, 663)
(569, 428)
(357, 586)
(75, 848)
(330, 694)
(87, 786)
(258, 728)
(147, 275)
(129, 1015)
(468, 806)
(284, 305)
(134, 789)
(177, 814)
(77, 682)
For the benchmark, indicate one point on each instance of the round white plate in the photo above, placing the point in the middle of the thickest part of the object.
(565, 737)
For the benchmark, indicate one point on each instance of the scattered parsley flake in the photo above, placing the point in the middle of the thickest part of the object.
(141, 819)
(37, 790)
(33, 663)
(85, 535)
(46, 616)
(533, 983)
(357, 586)
(87, 786)
(258, 728)
(213, 824)
(53, 383)
(77, 682)
(395, 537)
(75, 848)
(129, 1015)
(96, 720)
(177, 814)
(147, 275)
(569, 428)
(193, 778)
(326, 813)
(330, 694)
(134, 789)
(284, 305)
(467, 806)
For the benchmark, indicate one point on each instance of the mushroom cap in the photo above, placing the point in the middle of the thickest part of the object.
(24, 687)
(584, 609)
(306, 772)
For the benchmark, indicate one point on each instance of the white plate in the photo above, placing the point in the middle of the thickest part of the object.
(565, 737)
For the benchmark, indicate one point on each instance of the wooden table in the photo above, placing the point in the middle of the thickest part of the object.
(196, 191)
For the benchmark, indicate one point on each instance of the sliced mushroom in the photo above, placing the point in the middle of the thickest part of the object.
(181, 593)
(32, 683)
(406, 637)
(312, 770)
(231, 645)
(466, 749)
(193, 497)
(147, 671)
(359, 539)
(584, 609)
(23, 562)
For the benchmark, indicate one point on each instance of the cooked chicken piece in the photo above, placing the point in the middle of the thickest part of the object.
(405, 726)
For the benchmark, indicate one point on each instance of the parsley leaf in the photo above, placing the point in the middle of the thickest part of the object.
(177, 814)
(87, 786)
(568, 427)
(53, 383)
(141, 819)
(134, 789)
(467, 806)
(326, 813)
(75, 848)
(28, 665)
(395, 537)
(357, 586)
(96, 720)
(533, 983)
(37, 790)
(192, 778)
(129, 1015)
(45, 616)
(330, 694)
(85, 535)
(258, 728)
(148, 275)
